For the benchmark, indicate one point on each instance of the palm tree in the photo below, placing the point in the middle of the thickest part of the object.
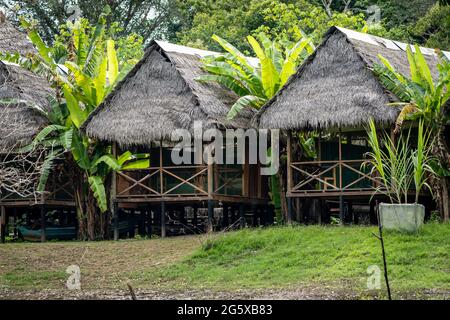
(83, 72)
(427, 98)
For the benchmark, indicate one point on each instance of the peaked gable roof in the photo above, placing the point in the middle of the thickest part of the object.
(335, 87)
(159, 95)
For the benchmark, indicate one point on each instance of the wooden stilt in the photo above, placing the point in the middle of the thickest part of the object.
(263, 216)
(341, 210)
(149, 221)
(242, 215)
(254, 215)
(210, 216)
(225, 220)
(115, 209)
(163, 219)
(43, 223)
(142, 222)
(289, 213)
(3, 224)
(195, 217)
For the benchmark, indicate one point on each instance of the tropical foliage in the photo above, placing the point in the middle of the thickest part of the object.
(426, 97)
(400, 164)
(256, 80)
(84, 69)
(421, 96)
(255, 83)
(125, 16)
(234, 20)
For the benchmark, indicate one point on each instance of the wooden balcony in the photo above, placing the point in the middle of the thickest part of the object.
(331, 178)
(185, 183)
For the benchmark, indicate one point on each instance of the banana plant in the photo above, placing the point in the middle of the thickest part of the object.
(254, 83)
(60, 139)
(83, 72)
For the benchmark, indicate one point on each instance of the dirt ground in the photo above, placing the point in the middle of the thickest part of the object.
(103, 264)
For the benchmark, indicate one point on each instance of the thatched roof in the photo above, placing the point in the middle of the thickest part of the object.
(161, 95)
(335, 87)
(12, 40)
(19, 89)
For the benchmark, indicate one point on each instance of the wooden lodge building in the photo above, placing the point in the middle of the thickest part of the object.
(334, 94)
(19, 89)
(159, 96)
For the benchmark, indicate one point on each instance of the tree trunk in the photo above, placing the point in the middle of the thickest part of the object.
(440, 184)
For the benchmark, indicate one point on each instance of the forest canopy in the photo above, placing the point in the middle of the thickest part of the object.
(193, 22)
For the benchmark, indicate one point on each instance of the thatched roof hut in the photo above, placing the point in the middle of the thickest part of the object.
(19, 89)
(161, 95)
(335, 87)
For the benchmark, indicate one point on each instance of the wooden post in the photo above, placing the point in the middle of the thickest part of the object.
(289, 177)
(161, 173)
(264, 215)
(289, 213)
(210, 215)
(341, 200)
(149, 221)
(163, 219)
(115, 208)
(195, 218)
(210, 180)
(289, 169)
(340, 159)
(242, 215)
(113, 190)
(225, 216)
(3, 224)
(43, 235)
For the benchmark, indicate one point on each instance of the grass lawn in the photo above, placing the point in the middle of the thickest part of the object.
(330, 258)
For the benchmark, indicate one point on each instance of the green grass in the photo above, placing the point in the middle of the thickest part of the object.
(312, 258)
(313, 255)
(38, 279)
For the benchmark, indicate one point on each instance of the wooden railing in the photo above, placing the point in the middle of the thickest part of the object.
(163, 182)
(228, 181)
(180, 181)
(59, 188)
(331, 177)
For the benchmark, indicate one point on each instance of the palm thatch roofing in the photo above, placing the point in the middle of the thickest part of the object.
(19, 89)
(335, 86)
(161, 94)
(11, 40)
